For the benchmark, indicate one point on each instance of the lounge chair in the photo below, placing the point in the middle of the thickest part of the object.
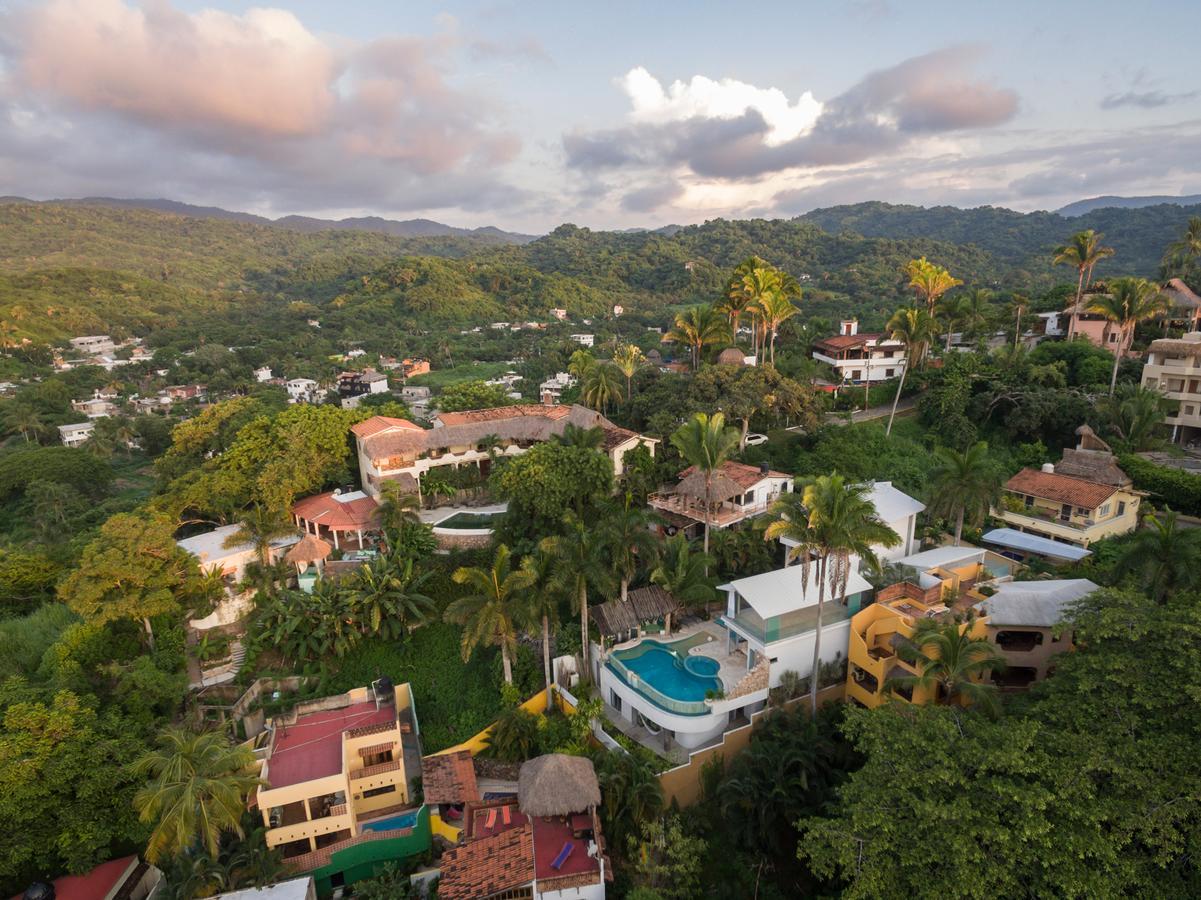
(563, 855)
(490, 822)
(506, 815)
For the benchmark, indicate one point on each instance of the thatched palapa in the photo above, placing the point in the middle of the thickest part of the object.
(646, 604)
(557, 785)
(310, 549)
(722, 487)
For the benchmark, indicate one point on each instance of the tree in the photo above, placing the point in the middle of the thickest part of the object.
(548, 479)
(540, 610)
(1164, 554)
(579, 562)
(776, 308)
(1132, 415)
(1082, 252)
(742, 292)
(1183, 254)
(386, 596)
(630, 792)
(514, 738)
(915, 329)
(667, 859)
(23, 418)
(706, 443)
(950, 662)
(397, 507)
(929, 280)
(697, 328)
(575, 436)
(964, 484)
(952, 311)
(132, 570)
(832, 520)
(628, 359)
(260, 527)
(474, 394)
(683, 573)
(600, 385)
(1128, 302)
(625, 532)
(487, 614)
(197, 789)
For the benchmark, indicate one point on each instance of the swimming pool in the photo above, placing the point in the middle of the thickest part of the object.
(462, 521)
(676, 683)
(393, 823)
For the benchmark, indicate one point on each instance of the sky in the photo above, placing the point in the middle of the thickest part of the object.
(525, 115)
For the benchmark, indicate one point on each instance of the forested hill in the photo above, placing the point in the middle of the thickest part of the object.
(1015, 238)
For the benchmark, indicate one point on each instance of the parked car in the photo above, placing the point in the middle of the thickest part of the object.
(754, 439)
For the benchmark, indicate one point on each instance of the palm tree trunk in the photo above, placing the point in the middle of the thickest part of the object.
(550, 701)
(1079, 296)
(584, 626)
(708, 513)
(959, 525)
(897, 399)
(149, 633)
(625, 589)
(817, 636)
(1117, 362)
(504, 658)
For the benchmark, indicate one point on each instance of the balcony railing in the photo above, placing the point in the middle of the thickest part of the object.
(671, 704)
(378, 769)
(800, 622)
(722, 514)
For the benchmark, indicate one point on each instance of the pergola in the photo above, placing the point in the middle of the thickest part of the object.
(646, 604)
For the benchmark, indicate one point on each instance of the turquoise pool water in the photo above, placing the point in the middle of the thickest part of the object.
(395, 823)
(664, 671)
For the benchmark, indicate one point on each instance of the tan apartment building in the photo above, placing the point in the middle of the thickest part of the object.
(1174, 369)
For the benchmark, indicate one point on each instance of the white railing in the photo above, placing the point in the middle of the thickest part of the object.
(671, 704)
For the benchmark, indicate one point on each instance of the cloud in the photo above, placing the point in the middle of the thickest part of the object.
(253, 105)
(651, 197)
(1145, 99)
(527, 48)
(729, 130)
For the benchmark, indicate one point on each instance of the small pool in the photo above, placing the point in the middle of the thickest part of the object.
(393, 823)
(702, 666)
(464, 521)
(684, 680)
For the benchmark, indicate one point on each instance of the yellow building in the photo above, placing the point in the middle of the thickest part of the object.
(874, 637)
(1084, 498)
(336, 773)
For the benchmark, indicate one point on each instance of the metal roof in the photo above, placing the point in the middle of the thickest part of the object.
(1035, 604)
(1032, 543)
(942, 556)
(785, 590)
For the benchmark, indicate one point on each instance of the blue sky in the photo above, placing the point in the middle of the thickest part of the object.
(618, 114)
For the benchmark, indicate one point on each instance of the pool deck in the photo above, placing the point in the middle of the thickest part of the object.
(436, 515)
(731, 666)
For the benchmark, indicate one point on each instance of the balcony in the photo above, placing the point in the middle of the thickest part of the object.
(723, 515)
(789, 625)
(372, 771)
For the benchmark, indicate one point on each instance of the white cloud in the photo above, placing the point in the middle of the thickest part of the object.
(705, 98)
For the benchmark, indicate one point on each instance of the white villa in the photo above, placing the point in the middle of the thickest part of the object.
(302, 390)
(584, 340)
(552, 389)
(899, 512)
(213, 556)
(860, 357)
(76, 435)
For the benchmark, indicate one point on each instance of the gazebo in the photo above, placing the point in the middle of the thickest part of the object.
(619, 620)
(311, 549)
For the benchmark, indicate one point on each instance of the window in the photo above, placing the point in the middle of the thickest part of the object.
(889, 373)
(1121, 507)
(856, 374)
(1029, 501)
(1105, 510)
(375, 792)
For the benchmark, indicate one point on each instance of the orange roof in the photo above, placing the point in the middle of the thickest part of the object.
(449, 778)
(98, 884)
(497, 413)
(741, 474)
(376, 424)
(1060, 488)
(338, 515)
(489, 865)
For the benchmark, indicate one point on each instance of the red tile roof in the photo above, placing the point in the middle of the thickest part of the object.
(376, 424)
(449, 778)
(326, 509)
(741, 474)
(98, 884)
(847, 341)
(312, 746)
(489, 865)
(1060, 488)
(500, 413)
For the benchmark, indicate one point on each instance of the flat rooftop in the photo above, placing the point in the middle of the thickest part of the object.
(551, 833)
(311, 747)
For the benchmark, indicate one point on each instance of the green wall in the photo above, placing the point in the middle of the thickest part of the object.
(363, 860)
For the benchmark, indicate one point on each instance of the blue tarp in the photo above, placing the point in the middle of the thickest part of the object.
(1032, 543)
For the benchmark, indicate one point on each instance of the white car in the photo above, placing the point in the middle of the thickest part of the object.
(754, 440)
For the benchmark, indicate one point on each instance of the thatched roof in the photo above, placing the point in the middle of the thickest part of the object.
(1179, 346)
(646, 604)
(557, 785)
(1181, 295)
(722, 488)
(310, 549)
(731, 356)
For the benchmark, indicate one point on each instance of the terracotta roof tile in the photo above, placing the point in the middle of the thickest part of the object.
(376, 424)
(325, 509)
(741, 474)
(449, 778)
(488, 866)
(500, 413)
(1060, 488)
(847, 341)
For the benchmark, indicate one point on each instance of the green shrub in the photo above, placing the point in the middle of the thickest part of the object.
(1171, 487)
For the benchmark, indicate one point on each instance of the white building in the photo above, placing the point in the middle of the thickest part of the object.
(93, 344)
(560, 314)
(584, 340)
(77, 434)
(302, 390)
(212, 555)
(262, 373)
(551, 390)
(95, 408)
(860, 357)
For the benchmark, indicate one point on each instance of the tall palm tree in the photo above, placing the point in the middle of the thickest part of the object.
(832, 520)
(487, 614)
(1019, 305)
(386, 596)
(697, 328)
(600, 385)
(197, 788)
(1132, 416)
(541, 609)
(776, 308)
(580, 563)
(579, 364)
(915, 329)
(23, 418)
(1164, 554)
(742, 292)
(628, 359)
(682, 572)
(963, 484)
(1182, 253)
(951, 662)
(929, 280)
(259, 526)
(952, 310)
(625, 532)
(1128, 302)
(977, 310)
(705, 442)
(1083, 251)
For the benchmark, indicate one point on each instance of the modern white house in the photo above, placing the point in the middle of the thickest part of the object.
(77, 434)
(551, 390)
(584, 340)
(213, 556)
(93, 344)
(860, 357)
(262, 373)
(899, 511)
(302, 390)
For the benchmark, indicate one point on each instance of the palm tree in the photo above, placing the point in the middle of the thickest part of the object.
(697, 328)
(1019, 305)
(683, 573)
(951, 663)
(579, 364)
(23, 418)
(541, 609)
(706, 443)
(915, 329)
(580, 562)
(487, 614)
(952, 310)
(976, 311)
(625, 531)
(929, 280)
(776, 308)
(628, 359)
(386, 595)
(259, 526)
(1182, 253)
(632, 794)
(1082, 252)
(600, 385)
(1133, 414)
(397, 507)
(742, 292)
(1128, 302)
(963, 484)
(1165, 555)
(831, 520)
(575, 436)
(197, 790)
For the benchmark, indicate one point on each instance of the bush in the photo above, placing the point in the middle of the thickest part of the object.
(60, 465)
(1172, 487)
